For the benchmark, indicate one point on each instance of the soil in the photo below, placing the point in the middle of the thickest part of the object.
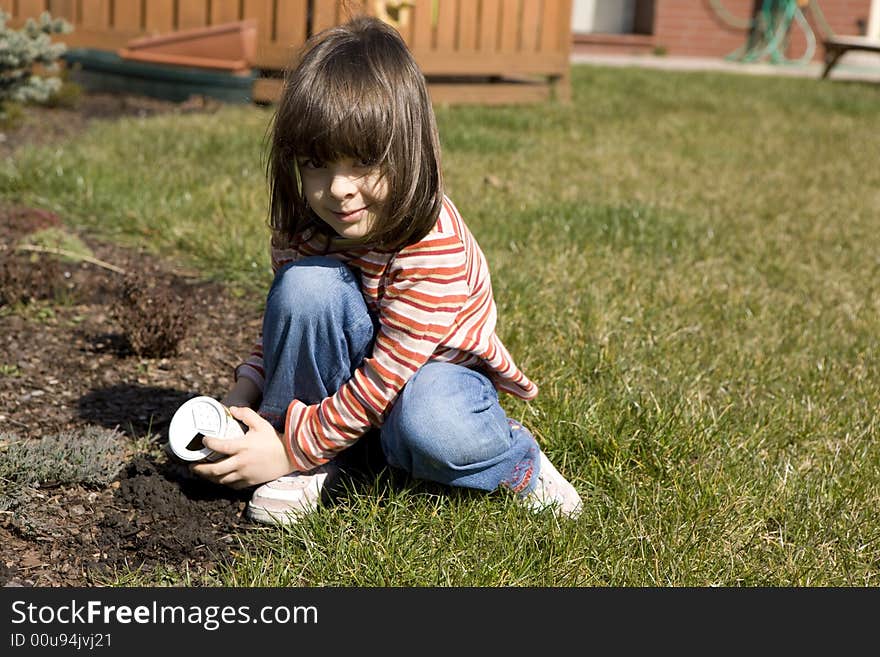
(66, 365)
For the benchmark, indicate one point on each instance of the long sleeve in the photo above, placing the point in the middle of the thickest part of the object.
(425, 289)
(252, 368)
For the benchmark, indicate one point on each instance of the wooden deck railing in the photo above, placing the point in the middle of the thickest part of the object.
(470, 50)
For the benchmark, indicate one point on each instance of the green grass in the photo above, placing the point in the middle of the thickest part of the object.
(686, 263)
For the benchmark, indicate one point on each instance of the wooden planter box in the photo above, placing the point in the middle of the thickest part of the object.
(227, 47)
(473, 51)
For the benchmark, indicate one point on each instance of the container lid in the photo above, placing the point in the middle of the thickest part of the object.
(196, 418)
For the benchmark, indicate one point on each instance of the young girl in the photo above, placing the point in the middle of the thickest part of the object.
(381, 313)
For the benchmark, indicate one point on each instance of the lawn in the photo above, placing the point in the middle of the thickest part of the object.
(686, 263)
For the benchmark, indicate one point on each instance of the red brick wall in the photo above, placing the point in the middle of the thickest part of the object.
(694, 28)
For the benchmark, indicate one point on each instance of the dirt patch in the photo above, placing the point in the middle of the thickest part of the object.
(66, 364)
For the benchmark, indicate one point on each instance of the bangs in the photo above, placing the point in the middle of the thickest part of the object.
(354, 117)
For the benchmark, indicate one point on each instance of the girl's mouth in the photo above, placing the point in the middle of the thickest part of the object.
(349, 217)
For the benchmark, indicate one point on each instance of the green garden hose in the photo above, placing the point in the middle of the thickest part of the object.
(769, 30)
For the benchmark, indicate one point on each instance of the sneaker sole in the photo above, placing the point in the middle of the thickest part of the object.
(260, 515)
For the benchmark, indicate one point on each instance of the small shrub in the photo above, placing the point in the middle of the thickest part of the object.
(153, 317)
(23, 50)
(11, 116)
(67, 97)
(92, 457)
(25, 278)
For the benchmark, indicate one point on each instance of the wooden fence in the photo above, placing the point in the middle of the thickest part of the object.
(482, 51)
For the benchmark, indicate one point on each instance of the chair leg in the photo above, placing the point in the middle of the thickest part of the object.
(831, 57)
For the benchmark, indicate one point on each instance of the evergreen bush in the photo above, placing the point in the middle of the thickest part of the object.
(21, 51)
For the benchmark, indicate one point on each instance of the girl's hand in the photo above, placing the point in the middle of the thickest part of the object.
(258, 457)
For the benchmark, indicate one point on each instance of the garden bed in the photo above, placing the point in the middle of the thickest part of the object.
(67, 368)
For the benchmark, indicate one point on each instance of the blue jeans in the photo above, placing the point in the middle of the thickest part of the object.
(446, 426)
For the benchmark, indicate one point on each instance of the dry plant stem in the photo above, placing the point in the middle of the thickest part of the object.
(69, 254)
(5, 418)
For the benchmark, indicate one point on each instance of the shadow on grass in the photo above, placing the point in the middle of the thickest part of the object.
(366, 472)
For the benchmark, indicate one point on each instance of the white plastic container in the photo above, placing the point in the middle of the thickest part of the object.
(195, 419)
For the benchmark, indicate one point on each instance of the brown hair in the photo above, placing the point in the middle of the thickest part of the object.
(356, 91)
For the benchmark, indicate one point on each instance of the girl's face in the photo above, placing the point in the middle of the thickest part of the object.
(346, 194)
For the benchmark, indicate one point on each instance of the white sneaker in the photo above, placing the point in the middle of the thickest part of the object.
(553, 492)
(286, 499)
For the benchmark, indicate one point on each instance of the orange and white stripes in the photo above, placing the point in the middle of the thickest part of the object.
(434, 302)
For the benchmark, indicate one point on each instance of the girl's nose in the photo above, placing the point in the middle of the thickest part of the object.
(342, 185)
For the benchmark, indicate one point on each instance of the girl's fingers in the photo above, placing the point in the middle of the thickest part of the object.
(215, 471)
(225, 472)
(233, 480)
(247, 415)
(227, 446)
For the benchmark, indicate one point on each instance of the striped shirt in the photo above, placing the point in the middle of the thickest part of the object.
(433, 300)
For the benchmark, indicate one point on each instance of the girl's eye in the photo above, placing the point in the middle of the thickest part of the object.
(366, 163)
(309, 164)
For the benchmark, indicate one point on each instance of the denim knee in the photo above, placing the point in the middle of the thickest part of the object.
(446, 415)
(308, 288)
(317, 329)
